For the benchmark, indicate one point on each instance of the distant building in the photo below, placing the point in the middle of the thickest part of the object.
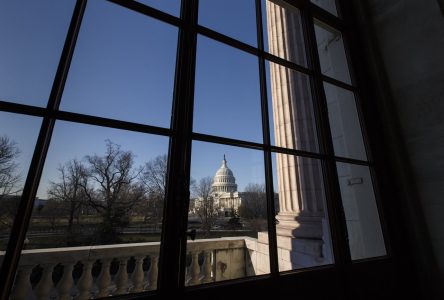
(40, 203)
(224, 190)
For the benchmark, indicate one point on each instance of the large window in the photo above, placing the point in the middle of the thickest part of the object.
(144, 150)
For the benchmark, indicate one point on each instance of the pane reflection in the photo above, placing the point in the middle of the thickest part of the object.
(331, 51)
(344, 123)
(361, 213)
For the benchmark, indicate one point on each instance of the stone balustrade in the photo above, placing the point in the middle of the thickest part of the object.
(100, 271)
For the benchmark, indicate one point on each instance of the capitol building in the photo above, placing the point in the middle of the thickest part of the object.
(224, 191)
(226, 199)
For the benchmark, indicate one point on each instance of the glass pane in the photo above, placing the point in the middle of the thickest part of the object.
(32, 34)
(292, 122)
(331, 52)
(361, 213)
(18, 135)
(99, 217)
(283, 33)
(227, 101)
(228, 211)
(302, 229)
(123, 66)
(169, 6)
(328, 5)
(238, 23)
(344, 122)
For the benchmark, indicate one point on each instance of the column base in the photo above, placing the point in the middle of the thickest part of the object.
(295, 253)
(299, 226)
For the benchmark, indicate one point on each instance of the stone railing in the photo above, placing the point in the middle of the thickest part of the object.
(100, 271)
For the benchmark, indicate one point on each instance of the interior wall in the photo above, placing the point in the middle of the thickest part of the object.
(409, 37)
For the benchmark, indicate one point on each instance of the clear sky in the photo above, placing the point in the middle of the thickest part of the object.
(123, 68)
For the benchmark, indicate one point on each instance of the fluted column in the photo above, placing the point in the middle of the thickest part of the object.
(299, 180)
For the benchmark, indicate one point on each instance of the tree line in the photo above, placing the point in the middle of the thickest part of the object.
(111, 187)
(108, 185)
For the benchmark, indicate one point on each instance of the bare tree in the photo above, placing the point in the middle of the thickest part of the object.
(68, 190)
(52, 212)
(254, 202)
(115, 189)
(205, 207)
(154, 180)
(9, 181)
(8, 209)
(254, 206)
(9, 175)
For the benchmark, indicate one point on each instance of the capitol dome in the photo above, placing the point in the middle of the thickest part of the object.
(224, 181)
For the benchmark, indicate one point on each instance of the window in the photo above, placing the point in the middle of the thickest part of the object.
(178, 151)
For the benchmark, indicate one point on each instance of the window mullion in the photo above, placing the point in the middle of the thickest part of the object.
(173, 247)
(272, 240)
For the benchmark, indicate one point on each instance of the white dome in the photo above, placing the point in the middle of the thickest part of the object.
(224, 181)
(224, 171)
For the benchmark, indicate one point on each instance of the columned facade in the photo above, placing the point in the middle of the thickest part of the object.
(301, 217)
(224, 181)
(224, 191)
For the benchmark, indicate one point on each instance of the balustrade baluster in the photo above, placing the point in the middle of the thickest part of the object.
(207, 267)
(152, 273)
(104, 279)
(122, 277)
(201, 268)
(138, 276)
(22, 285)
(187, 270)
(44, 287)
(66, 282)
(85, 281)
(194, 269)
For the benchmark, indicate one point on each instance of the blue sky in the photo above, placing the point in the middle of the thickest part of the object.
(123, 68)
(32, 35)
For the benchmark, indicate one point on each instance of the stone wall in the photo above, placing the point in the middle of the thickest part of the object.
(410, 40)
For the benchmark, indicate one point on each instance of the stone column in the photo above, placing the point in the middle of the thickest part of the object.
(301, 208)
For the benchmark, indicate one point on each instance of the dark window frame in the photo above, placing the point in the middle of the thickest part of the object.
(172, 271)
